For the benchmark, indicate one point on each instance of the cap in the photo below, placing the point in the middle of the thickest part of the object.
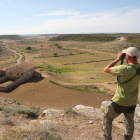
(132, 51)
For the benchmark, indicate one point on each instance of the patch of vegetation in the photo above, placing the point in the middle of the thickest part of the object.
(15, 135)
(56, 44)
(44, 134)
(86, 88)
(59, 47)
(28, 48)
(91, 53)
(54, 82)
(39, 133)
(57, 70)
(55, 54)
(85, 37)
(70, 111)
(39, 65)
(30, 112)
(8, 122)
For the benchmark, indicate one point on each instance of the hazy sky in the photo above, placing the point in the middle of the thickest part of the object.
(69, 16)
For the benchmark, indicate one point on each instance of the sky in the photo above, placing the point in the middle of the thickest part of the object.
(69, 16)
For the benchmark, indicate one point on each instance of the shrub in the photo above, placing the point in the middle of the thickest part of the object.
(28, 48)
(70, 111)
(56, 44)
(8, 122)
(46, 135)
(55, 54)
(59, 47)
(31, 112)
(91, 53)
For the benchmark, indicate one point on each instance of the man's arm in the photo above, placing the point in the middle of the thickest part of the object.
(112, 64)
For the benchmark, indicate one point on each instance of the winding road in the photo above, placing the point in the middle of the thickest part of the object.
(20, 56)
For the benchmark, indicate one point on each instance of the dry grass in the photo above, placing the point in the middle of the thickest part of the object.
(63, 125)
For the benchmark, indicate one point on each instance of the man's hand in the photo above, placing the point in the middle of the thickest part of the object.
(120, 54)
(112, 64)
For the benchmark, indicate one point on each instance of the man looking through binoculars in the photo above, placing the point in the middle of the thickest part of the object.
(126, 96)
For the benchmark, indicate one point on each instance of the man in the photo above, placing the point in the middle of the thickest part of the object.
(126, 96)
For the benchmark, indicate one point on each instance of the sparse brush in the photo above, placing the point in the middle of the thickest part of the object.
(70, 111)
(8, 122)
(31, 112)
(10, 109)
(44, 134)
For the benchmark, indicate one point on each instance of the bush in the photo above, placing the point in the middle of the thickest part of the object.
(31, 112)
(46, 135)
(70, 111)
(55, 54)
(28, 48)
(59, 47)
(56, 44)
(8, 122)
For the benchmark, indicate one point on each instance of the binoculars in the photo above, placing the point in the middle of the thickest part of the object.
(123, 56)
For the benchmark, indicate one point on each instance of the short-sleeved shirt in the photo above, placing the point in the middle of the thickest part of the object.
(126, 94)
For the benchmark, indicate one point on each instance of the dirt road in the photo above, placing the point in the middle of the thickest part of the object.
(20, 56)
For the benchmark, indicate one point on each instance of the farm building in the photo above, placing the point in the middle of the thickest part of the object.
(18, 74)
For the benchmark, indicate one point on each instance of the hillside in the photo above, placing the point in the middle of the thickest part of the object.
(79, 123)
(11, 37)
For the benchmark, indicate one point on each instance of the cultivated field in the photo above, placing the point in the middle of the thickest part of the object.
(71, 64)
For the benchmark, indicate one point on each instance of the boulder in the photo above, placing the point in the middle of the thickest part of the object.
(49, 112)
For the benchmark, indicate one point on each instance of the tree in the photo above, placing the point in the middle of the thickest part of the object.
(28, 48)
(55, 54)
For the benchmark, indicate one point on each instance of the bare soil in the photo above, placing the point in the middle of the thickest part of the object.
(44, 94)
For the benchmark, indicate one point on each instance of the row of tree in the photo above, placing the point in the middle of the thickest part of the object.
(84, 37)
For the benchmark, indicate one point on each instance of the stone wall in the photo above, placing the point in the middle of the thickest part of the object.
(2, 72)
(3, 79)
(16, 83)
(36, 74)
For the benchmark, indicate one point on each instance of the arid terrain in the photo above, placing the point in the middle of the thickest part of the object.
(72, 74)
